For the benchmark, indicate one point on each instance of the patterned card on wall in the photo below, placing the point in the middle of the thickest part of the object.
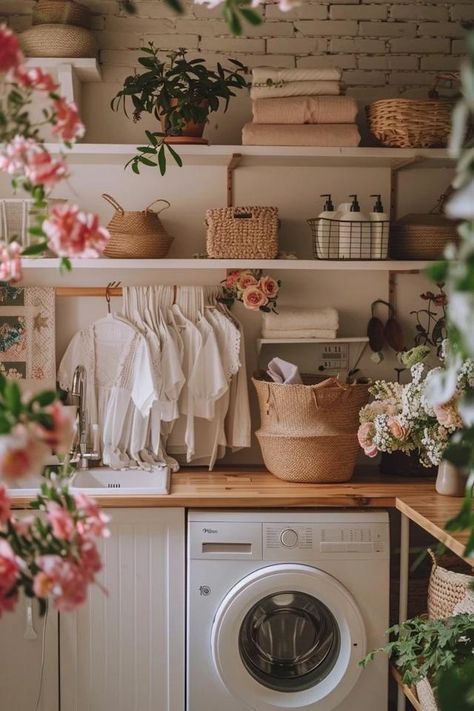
(27, 336)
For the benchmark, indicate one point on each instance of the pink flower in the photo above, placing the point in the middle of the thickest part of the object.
(245, 280)
(20, 454)
(73, 233)
(63, 578)
(68, 124)
(365, 435)
(398, 430)
(10, 262)
(10, 54)
(61, 521)
(22, 525)
(269, 286)
(9, 569)
(13, 155)
(61, 434)
(36, 78)
(42, 169)
(253, 298)
(5, 510)
(371, 451)
(447, 415)
(90, 561)
(232, 279)
(93, 520)
(42, 585)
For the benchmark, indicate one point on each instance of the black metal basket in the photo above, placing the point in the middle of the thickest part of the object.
(344, 239)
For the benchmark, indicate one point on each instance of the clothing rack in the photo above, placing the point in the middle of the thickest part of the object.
(88, 291)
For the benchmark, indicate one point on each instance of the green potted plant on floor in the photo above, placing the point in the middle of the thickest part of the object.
(180, 93)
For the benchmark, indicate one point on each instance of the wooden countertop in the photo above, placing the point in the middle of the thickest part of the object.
(251, 488)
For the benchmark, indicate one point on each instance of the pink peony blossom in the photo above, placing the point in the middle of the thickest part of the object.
(60, 436)
(93, 520)
(10, 54)
(9, 569)
(5, 510)
(20, 454)
(68, 125)
(245, 280)
(73, 233)
(36, 78)
(10, 262)
(61, 521)
(66, 583)
(269, 286)
(253, 298)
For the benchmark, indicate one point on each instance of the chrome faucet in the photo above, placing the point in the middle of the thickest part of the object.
(80, 454)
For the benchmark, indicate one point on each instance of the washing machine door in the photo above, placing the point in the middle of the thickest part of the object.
(288, 636)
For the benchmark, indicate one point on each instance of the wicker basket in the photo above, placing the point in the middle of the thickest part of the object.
(62, 12)
(242, 233)
(426, 695)
(53, 40)
(137, 234)
(411, 123)
(466, 606)
(318, 460)
(446, 589)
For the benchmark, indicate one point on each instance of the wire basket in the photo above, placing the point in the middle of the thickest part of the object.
(345, 239)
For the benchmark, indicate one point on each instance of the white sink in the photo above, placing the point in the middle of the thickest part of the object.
(102, 480)
(26, 486)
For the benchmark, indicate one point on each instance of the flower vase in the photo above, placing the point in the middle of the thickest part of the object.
(449, 481)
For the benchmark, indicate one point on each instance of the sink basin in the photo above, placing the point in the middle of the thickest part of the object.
(102, 480)
(26, 486)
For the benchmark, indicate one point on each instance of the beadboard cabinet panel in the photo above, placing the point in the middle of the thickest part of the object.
(124, 649)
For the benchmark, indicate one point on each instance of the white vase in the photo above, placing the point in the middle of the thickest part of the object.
(450, 481)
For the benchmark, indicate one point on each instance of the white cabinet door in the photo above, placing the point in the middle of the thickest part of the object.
(28, 665)
(124, 650)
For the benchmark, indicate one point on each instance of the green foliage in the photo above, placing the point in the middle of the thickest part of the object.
(177, 91)
(457, 683)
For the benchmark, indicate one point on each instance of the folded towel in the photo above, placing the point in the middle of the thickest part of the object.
(322, 333)
(341, 135)
(291, 318)
(305, 109)
(280, 371)
(262, 75)
(296, 88)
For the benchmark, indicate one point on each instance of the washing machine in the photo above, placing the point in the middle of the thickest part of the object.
(282, 606)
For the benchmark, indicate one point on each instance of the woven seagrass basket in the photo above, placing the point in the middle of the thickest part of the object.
(137, 234)
(242, 233)
(426, 696)
(54, 40)
(62, 12)
(446, 589)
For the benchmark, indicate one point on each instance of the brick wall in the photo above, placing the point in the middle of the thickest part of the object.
(384, 48)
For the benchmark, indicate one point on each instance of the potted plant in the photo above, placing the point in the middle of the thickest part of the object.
(423, 649)
(180, 93)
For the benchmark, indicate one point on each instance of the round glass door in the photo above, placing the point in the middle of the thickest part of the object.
(289, 641)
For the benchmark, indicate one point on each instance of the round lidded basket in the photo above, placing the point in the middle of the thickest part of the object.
(137, 234)
(55, 40)
(61, 12)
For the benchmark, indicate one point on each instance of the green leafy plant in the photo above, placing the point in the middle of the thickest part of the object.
(423, 648)
(178, 91)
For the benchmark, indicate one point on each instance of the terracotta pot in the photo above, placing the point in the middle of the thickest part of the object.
(190, 130)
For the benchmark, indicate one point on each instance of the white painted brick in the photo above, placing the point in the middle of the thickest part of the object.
(296, 45)
(441, 29)
(357, 46)
(217, 28)
(358, 12)
(148, 9)
(441, 62)
(388, 61)
(97, 22)
(462, 12)
(119, 58)
(366, 78)
(223, 44)
(458, 47)
(135, 24)
(407, 78)
(340, 28)
(341, 61)
(305, 11)
(387, 29)
(251, 60)
(119, 40)
(415, 11)
(16, 7)
(172, 41)
(420, 46)
(103, 7)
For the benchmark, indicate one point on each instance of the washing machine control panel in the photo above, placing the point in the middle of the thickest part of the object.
(306, 541)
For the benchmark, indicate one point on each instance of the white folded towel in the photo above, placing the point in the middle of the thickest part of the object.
(280, 371)
(293, 318)
(296, 88)
(327, 334)
(262, 75)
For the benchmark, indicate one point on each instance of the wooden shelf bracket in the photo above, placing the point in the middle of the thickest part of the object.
(231, 166)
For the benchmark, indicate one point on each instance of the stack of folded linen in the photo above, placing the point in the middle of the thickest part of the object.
(292, 322)
(300, 107)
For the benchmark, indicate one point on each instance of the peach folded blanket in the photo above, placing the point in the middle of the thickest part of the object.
(296, 88)
(324, 135)
(305, 109)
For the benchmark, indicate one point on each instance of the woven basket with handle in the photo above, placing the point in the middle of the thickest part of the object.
(137, 234)
(54, 40)
(242, 233)
(413, 123)
(446, 589)
(63, 12)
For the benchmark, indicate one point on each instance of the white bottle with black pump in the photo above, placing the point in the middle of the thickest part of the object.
(380, 231)
(327, 242)
(351, 232)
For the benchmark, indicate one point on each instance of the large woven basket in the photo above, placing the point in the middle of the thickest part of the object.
(63, 12)
(446, 589)
(426, 697)
(54, 40)
(137, 234)
(242, 233)
(318, 460)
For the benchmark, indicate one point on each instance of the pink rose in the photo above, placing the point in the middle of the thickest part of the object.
(61, 521)
(398, 430)
(61, 434)
(5, 510)
(365, 434)
(20, 454)
(10, 262)
(447, 415)
(269, 286)
(36, 78)
(10, 54)
(253, 298)
(73, 233)
(245, 280)
(68, 125)
(232, 279)
(93, 520)
(9, 570)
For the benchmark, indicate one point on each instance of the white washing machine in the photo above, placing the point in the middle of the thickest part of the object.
(281, 609)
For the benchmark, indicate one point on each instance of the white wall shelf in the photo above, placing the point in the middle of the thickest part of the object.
(309, 341)
(70, 73)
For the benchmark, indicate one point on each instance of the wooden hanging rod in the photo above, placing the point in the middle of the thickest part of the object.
(87, 291)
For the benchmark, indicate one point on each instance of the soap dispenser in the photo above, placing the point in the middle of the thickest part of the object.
(380, 231)
(350, 232)
(328, 231)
